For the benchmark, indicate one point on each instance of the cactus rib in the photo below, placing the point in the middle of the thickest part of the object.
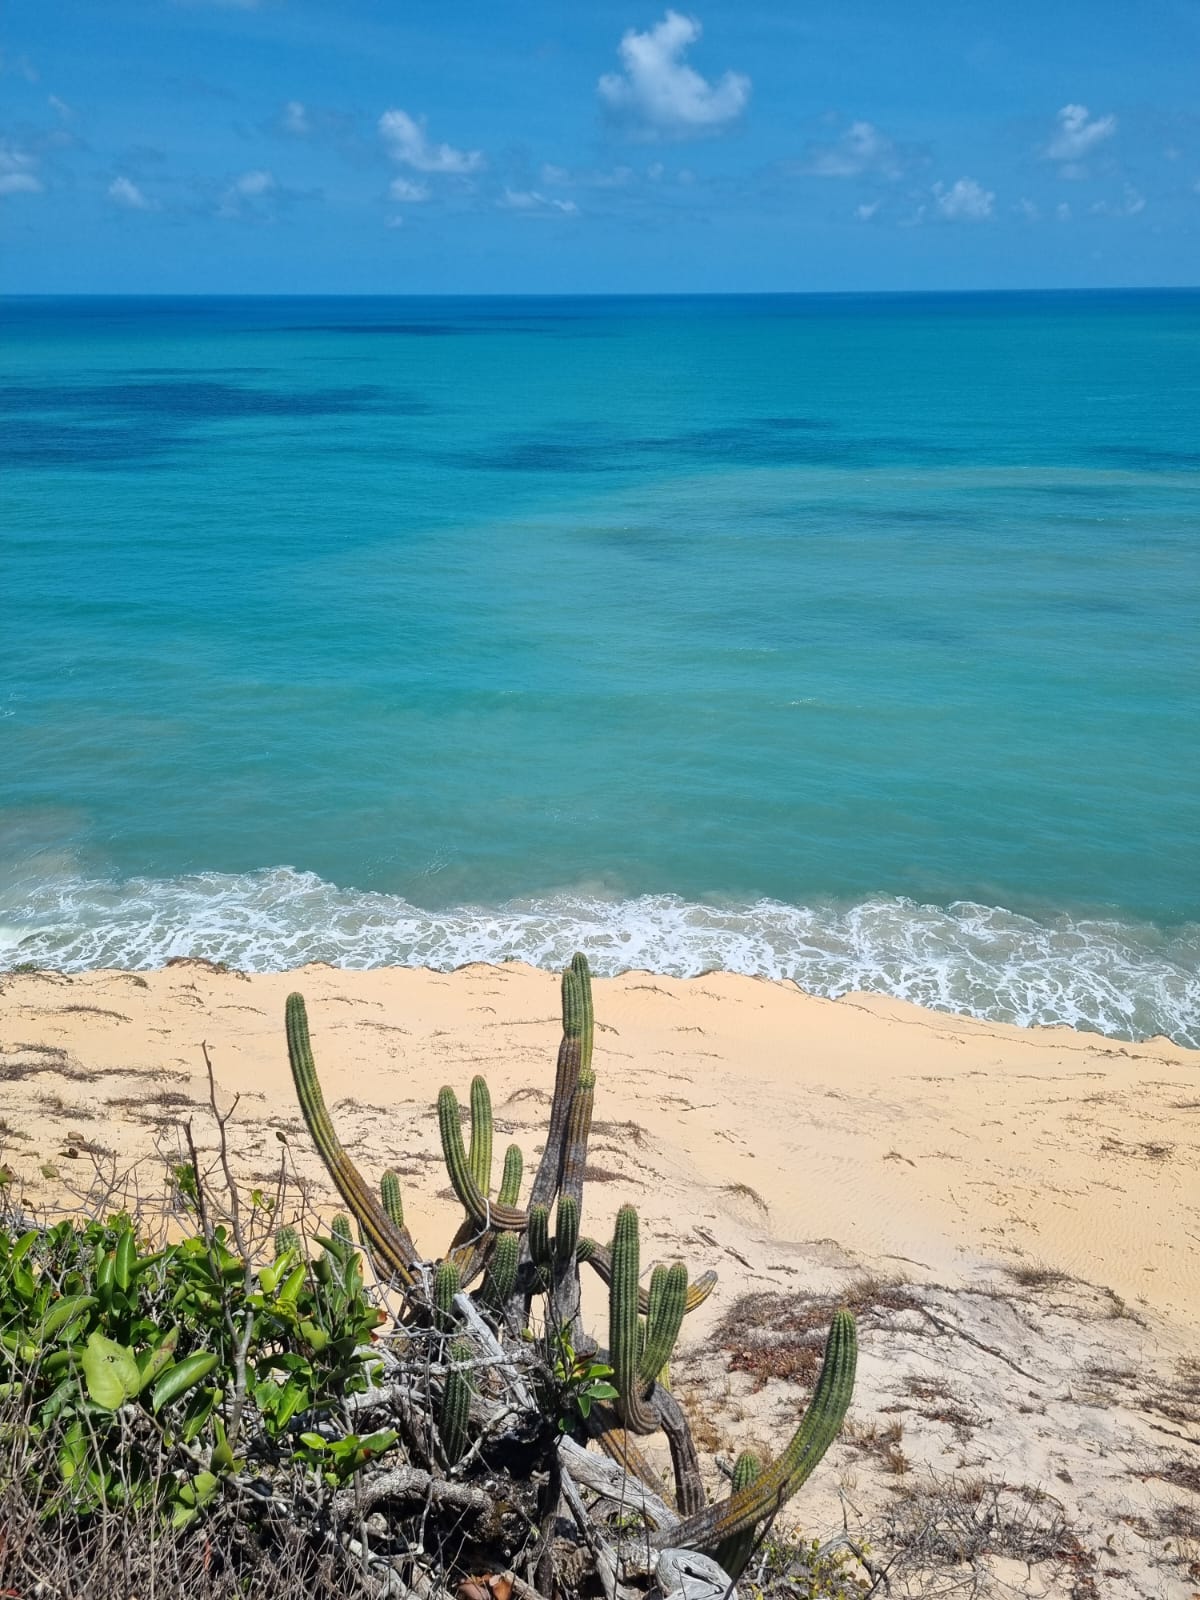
(393, 1203)
(394, 1244)
(575, 1139)
(501, 1276)
(818, 1428)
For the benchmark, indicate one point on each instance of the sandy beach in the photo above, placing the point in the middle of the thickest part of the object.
(1022, 1205)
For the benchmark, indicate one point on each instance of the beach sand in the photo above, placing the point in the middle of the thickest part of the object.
(1017, 1212)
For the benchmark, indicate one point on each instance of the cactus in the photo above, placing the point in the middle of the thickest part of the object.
(539, 1238)
(287, 1240)
(600, 1261)
(501, 1276)
(483, 1212)
(664, 1318)
(750, 1505)
(514, 1250)
(394, 1245)
(456, 1402)
(479, 1158)
(445, 1287)
(623, 1351)
(733, 1554)
(510, 1179)
(393, 1203)
(566, 1230)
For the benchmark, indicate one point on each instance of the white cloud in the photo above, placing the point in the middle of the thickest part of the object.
(16, 172)
(125, 193)
(253, 184)
(660, 92)
(1077, 135)
(554, 175)
(1062, 211)
(964, 201)
(294, 119)
(531, 202)
(861, 149)
(1131, 204)
(406, 189)
(61, 106)
(1027, 209)
(408, 143)
(866, 211)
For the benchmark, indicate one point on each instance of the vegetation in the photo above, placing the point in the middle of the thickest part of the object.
(268, 1416)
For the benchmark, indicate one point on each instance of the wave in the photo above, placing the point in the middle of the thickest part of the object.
(1128, 980)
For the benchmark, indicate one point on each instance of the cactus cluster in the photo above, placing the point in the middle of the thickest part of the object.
(505, 1256)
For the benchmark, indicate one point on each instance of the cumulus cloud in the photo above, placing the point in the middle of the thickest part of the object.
(251, 196)
(294, 119)
(408, 143)
(16, 172)
(125, 193)
(964, 201)
(660, 94)
(861, 149)
(1131, 204)
(866, 211)
(407, 189)
(533, 203)
(1078, 133)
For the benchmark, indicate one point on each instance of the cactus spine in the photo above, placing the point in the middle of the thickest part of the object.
(664, 1318)
(287, 1240)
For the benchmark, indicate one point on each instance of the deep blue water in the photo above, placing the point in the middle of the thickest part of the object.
(851, 638)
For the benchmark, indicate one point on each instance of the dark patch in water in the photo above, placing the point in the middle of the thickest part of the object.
(1128, 455)
(105, 425)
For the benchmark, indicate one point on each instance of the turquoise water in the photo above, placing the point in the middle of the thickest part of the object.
(850, 638)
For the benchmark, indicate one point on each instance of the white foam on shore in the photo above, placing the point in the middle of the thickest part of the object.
(1124, 979)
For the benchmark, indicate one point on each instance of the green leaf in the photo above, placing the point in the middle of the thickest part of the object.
(110, 1371)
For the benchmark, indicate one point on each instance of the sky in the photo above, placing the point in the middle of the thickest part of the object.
(545, 146)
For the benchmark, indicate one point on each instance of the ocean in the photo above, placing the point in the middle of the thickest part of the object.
(847, 638)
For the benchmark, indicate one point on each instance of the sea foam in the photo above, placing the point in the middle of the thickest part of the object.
(1124, 979)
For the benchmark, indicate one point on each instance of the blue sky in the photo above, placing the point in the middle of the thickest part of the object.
(387, 147)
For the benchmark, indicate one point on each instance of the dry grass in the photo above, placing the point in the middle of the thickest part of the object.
(782, 1336)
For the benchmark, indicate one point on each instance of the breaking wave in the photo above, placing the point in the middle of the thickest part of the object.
(1128, 980)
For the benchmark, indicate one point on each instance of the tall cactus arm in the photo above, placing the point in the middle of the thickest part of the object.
(819, 1427)
(575, 1140)
(480, 1156)
(576, 1000)
(566, 1230)
(583, 1017)
(501, 1276)
(393, 1202)
(539, 1237)
(393, 1244)
(455, 1414)
(637, 1416)
(664, 1318)
(599, 1258)
(510, 1180)
(483, 1212)
(446, 1284)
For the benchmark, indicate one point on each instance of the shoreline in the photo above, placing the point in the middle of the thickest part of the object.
(782, 1123)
